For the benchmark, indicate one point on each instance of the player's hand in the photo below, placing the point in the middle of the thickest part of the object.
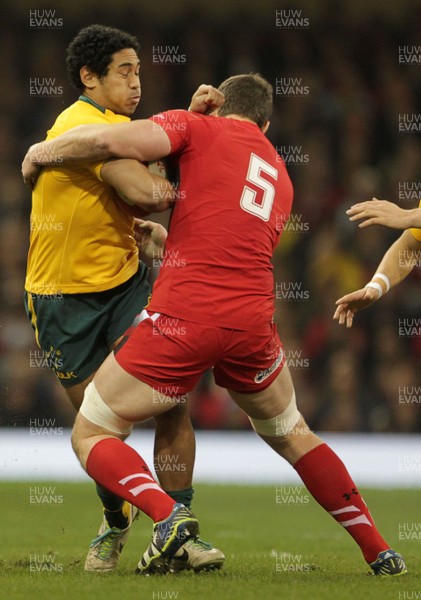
(379, 212)
(30, 170)
(348, 305)
(150, 238)
(206, 98)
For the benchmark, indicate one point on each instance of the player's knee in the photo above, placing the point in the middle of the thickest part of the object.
(95, 410)
(281, 425)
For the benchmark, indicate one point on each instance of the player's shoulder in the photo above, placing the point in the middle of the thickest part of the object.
(180, 114)
(173, 115)
(67, 112)
(83, 113)
(171, 111)
(61, 124)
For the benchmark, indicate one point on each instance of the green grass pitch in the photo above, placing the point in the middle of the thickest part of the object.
(278, 542)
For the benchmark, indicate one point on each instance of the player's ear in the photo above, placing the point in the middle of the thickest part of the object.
(265, 126)
(88, 78)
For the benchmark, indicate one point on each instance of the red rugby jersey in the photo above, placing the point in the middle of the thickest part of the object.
(234, 197)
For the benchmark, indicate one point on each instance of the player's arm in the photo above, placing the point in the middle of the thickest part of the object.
(395, 265)
(206, 98)
(136, 186)
(142, 140)
(382, 212)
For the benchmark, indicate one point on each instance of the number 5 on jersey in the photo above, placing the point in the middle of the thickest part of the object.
(260, 208)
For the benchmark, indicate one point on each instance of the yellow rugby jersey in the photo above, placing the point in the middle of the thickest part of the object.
(81, 235)
(416, 232)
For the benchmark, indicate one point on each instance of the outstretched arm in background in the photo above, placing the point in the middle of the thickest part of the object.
(382, 212)
(395, 265)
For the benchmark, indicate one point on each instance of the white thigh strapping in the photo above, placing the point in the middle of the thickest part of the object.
(280, 425)
(95, 410)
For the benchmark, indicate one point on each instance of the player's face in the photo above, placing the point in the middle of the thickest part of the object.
(119, 90)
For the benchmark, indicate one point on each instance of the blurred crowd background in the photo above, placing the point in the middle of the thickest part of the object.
(337, 126)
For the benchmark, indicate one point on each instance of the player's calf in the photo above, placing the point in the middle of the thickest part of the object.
(324, 475)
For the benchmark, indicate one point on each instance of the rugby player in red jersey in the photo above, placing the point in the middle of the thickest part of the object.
(235, 196)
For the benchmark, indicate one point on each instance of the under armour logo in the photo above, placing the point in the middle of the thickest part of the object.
(348, 496)
(143, 486)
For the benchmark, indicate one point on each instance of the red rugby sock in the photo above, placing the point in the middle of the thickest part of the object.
(329, 482)
(116, 466)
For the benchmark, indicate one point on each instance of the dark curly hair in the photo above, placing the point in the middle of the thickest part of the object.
(93, 47)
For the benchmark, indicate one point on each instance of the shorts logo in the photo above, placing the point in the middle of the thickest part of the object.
(67, 375)
(262, 375)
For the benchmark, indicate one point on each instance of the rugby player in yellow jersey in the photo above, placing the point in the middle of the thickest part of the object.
(396, 264)
(84, 283)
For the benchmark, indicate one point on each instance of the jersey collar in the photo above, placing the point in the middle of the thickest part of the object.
(84, 98)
